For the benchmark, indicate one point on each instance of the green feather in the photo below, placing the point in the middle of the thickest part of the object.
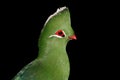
(52, 62)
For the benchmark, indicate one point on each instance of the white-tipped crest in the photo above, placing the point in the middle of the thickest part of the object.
(58, 10)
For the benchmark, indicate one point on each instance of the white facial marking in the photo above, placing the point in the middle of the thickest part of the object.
(64, 33)
(55, 36)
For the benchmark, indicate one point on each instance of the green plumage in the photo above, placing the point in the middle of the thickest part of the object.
(52, 62)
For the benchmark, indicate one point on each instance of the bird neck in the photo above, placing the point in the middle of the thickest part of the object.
(53, 55)
(52, 48)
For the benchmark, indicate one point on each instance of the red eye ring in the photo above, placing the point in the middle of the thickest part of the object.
(60, 33)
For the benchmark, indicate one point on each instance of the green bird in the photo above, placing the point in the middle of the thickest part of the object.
(52, 62)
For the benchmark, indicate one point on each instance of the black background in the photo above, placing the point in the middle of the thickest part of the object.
(21, 23)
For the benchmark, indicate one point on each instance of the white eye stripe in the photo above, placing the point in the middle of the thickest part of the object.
(55, 36)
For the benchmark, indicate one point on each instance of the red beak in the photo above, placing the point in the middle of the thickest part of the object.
(73, 37)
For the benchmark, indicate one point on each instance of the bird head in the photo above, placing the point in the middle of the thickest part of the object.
(58, 27)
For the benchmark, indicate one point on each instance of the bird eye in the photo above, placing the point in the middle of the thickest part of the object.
(60, 33)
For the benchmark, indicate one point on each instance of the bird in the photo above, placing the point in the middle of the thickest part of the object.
(52, 62)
